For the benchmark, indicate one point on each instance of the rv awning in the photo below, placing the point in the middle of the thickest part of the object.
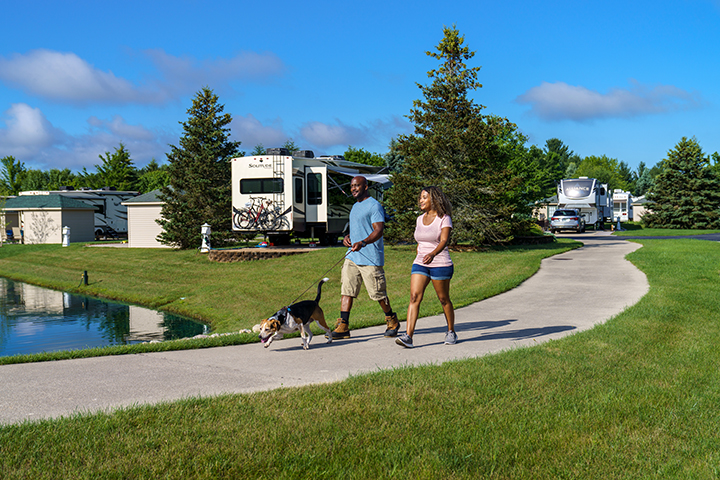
(577, 205)
(383, 179)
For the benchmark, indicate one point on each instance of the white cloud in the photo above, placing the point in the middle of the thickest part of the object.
(26, 131)
(560, 101)
(325, 135)
(187, 75)
(67, 78)
(251, 132)
(32, 139)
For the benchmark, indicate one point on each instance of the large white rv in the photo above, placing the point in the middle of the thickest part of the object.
(587, 195)
(281, 193)
(622, 205)
(110, 215)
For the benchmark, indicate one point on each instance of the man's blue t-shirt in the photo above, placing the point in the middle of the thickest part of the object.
(362, 216)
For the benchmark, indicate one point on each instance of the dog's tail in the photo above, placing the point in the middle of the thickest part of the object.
(317, 299)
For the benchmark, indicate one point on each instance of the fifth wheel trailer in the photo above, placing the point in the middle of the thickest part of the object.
(280, 193)
(589, 197)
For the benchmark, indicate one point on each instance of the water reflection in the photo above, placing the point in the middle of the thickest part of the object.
(35, 319)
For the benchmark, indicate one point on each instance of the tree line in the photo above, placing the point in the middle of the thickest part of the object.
(116, 169)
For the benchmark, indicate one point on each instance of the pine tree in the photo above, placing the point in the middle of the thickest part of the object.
(455, 147)
(686, 194)
(199, 172)
(393, 159)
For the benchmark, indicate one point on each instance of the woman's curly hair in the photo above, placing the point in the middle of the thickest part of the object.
(438, 201)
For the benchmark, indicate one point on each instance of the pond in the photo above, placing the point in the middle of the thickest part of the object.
(36, 320)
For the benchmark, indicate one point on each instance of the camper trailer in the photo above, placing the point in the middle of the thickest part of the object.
(280, 193)
(110, 215)
(587, 195)
(622, 205)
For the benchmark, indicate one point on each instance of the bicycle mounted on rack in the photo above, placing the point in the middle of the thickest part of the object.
(279, 194)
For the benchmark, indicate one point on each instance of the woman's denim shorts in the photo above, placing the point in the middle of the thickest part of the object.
(435, 273)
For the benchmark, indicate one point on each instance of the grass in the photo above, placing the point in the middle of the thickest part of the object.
(635, 397)
(633, 229)
(235, 296)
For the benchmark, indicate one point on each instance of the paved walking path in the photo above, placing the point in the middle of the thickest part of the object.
(571, 292)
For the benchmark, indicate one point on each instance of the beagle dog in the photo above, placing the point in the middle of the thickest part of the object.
(297, 316)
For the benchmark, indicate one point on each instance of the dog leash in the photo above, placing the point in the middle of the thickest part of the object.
(322, 276)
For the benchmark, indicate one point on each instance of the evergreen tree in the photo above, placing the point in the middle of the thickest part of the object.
(558, 158)
(290, 145)
(394, 159)
(258, 150)
(644, 180)
(686, 193)
(455, 147)
(199, 172)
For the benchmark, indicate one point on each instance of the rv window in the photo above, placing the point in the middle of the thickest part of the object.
(248, 186)
(314, 184)
(299, 190)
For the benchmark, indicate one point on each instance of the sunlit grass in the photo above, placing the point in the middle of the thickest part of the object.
(635, 397)
(232, 297)
(638, 230)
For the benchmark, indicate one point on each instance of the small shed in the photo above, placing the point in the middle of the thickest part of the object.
(544, 209)
(640, 206)
(42, 218)
(142, 213)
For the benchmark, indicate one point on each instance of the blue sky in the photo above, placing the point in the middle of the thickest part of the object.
(617, 78)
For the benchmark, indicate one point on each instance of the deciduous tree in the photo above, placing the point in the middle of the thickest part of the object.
(11, 175)
(360, 155)
(117, 170)
(152, 177)
(605, 169)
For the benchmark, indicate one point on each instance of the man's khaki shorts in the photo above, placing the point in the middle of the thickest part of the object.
(353, 276)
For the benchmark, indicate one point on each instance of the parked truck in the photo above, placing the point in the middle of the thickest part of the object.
(589, 197)
(110, 214)
(279, 194)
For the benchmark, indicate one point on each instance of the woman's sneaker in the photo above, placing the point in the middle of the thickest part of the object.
(404, 340)
(450, 338)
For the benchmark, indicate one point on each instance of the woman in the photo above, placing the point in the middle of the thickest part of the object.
(432, 263)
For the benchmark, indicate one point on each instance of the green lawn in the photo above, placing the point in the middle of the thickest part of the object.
(635, 397)
(633, 229)
(235, 296)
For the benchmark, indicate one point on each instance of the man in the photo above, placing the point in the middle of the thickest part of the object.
(364, 263)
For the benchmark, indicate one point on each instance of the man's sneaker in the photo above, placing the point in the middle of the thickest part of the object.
(404, 340)
(342, 330)
(392, 325)
(450, 338)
